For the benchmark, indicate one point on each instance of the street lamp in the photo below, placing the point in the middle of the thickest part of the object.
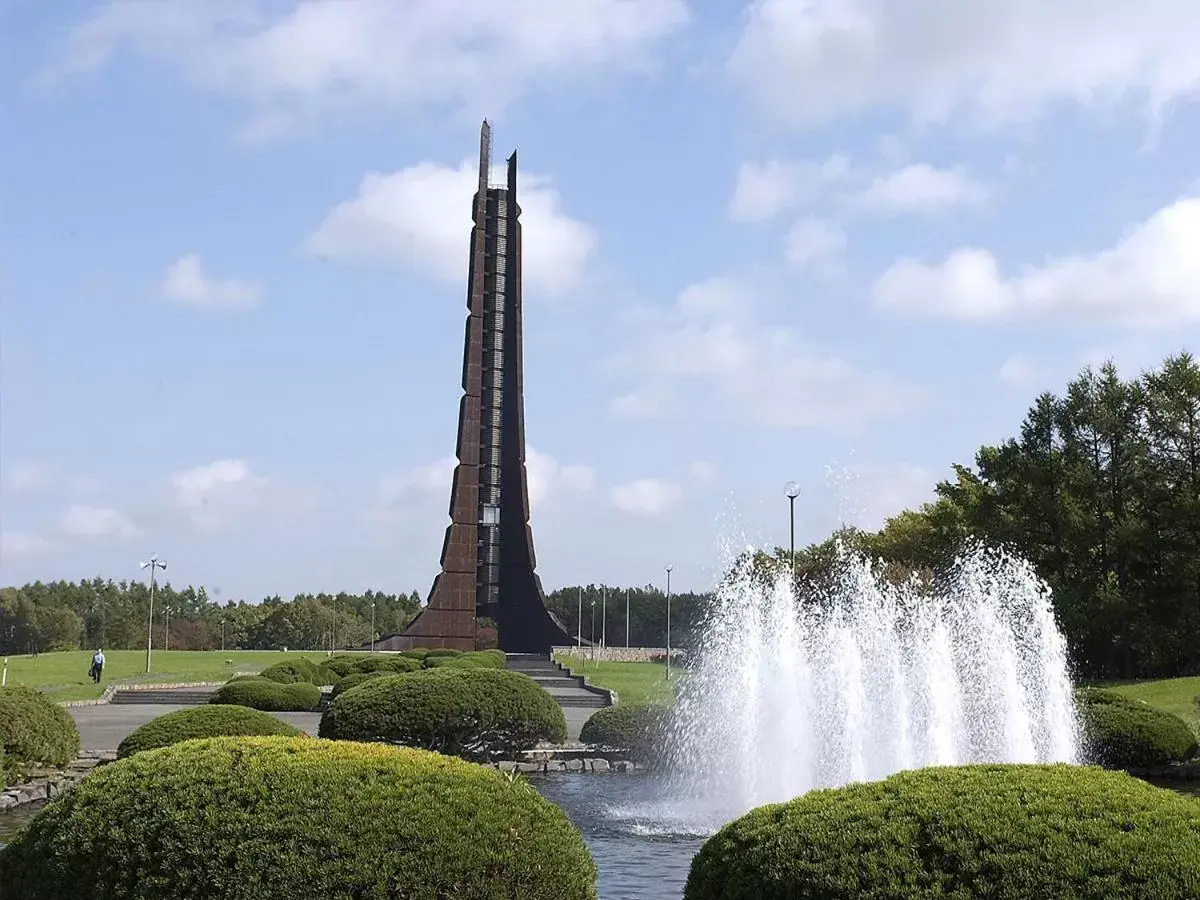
(669, 568)
(167, 629)
(592, 633)
(626, 617)
(579, 623)
(791, 490)
(155, 563)
(372, 626)
(604, 616)
(222, 635)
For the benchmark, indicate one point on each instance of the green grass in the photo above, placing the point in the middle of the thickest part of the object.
(635, 682)
(1173, 695)
(64, 676)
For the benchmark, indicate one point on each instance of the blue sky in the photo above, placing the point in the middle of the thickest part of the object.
(800, 239)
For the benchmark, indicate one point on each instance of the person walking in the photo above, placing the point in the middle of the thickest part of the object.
(97, 666)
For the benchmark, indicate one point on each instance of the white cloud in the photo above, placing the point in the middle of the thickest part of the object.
(646, 497)
(1017, 371)
(806, 61)
(26, 478)
(765, 375)
(812, 240)
(547, 477)
(186, 282)
(20, 546)
(920, 188)
(297, 60)
(764, 190)
(702, 472)
(226, 491)
(1151, 278)
(96, 522)
(422, 215)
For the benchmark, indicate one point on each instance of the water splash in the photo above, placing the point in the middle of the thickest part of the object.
(869, 679)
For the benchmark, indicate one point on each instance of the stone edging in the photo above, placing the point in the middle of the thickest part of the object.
(586, 766)
(54, 782)
(1189, 771)
(107, 695)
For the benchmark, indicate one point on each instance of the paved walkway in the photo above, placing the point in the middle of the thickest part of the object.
(104, 727)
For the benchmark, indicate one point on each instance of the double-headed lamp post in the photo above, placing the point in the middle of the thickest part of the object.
(669, 567)
(154, 563)
(791, 490)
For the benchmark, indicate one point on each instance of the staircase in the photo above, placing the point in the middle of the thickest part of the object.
(568, 690)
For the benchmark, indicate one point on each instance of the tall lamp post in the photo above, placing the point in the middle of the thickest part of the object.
(372, 626)
(669, 568)
(167, 629)
(791, 490)
(155, 563)
(626, 617)
(592, 633)
(579, 622)
(604, 617)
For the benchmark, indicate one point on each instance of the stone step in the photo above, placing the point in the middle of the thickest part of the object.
(557, 681)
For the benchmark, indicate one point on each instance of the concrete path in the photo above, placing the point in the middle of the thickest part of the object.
(104, 727)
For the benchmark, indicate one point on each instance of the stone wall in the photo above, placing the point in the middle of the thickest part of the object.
(622, 654)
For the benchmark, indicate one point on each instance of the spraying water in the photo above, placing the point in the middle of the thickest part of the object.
(869, 679)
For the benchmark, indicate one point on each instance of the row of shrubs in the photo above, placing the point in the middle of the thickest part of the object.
(328, 672)
(232, 818)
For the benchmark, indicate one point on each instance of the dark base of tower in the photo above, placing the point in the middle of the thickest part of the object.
(437, 628)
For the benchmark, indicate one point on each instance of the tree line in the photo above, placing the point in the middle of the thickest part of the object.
(64, 615)
(1100, 491)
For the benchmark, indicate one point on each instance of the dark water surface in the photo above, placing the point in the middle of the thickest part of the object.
(13, 819)
(641, 853)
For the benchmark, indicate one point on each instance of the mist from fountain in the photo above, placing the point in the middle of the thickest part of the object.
(865, 680)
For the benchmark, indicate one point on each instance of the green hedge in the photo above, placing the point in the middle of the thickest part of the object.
(635, 729)
(416, 653)
(478, 714)
(290, 671)
(995, 832)
(342, 665)
(475, 659)
(269, 696)
(1120, 732)
(202, 722)
(288, 818)
(35, 729)
(397, 665)
(442, 651)
(354, 679)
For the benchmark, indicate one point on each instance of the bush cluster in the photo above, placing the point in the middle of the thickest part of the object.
(35, 729)
(202, 722)
(270, 696)
(354, 679)
(996, 832)
(284, 818)
(638, 730)
(1120, 732)
(478, 714)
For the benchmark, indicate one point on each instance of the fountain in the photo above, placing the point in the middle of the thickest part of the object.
(865, 680)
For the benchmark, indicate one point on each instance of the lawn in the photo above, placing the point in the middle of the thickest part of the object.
(64, 676)
(634, 682)
(1173, 695)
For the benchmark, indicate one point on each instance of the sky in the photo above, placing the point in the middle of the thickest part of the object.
(837, 242)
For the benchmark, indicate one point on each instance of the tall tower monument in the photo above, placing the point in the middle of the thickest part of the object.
(488, 565)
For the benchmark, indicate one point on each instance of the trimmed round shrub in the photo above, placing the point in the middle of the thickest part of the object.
(397, 665)
(478, 714)
(638, 730)
(354, 679)
(237, 678)
(1001, 832)
(35, 729)
(474, 659)
(290, 671)
(323, 676)
(342, 665)
(1121, 732)
(269, 696)
(416, 653)
(285, 818)
(442, 651)
(202, 722)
